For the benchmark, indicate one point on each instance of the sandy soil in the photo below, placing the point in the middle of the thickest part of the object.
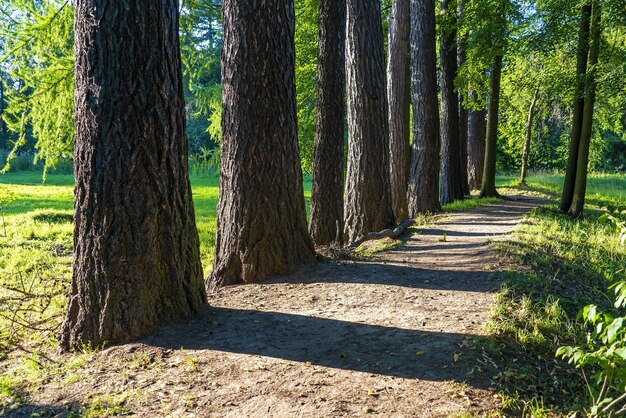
(352, 338)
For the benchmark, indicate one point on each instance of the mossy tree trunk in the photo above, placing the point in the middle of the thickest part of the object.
(261, 221)
(137, 257)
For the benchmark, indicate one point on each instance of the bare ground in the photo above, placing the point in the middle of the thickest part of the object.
(378, 337)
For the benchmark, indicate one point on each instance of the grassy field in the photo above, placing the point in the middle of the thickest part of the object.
(559, 265)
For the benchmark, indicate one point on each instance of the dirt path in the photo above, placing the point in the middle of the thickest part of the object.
(347, 339)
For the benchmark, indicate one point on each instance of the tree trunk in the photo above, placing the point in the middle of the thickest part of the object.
(261, 220)
(579, 103)
(137, 256)
(397, 66)
(475, 146)
(450, 187)
(424, 180)
(463, 114)
(488, 188)
(3, 126)
(586, 131)
(528, 138)
(368, 205)
(326, 224)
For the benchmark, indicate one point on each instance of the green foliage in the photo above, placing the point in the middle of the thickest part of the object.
(37, 56)
(604, 350)
(306, 77)
(561, 265)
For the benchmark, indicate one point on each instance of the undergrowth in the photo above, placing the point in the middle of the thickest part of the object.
(559, 265)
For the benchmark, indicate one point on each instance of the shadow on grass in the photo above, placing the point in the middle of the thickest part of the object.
(534, 314)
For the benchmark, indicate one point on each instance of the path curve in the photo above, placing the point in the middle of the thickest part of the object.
(348, 339)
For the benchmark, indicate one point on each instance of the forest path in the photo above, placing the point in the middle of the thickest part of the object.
(348, 339)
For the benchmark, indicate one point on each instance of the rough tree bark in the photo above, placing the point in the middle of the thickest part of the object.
(488, 188)
(368, 199)
(137, 257)
(261, 223)
(326, 225)
(580, 188)
(579, 103)
(399, 99)
(424, 180)
(475, 146)
(450, 187)
(463, 113)
(528, 138)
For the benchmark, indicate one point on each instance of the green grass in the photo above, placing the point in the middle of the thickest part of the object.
(36, 246)
(559, 265)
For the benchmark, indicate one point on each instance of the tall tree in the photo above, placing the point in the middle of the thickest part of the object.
(368, 199)
(579, 103)
(326, 224)
(528, 137)
(580, 188)
(261, 221)
(424, 179)
(137, 257)
(463, 113)
(488, 187)
(475, 145)
(451, 188)
(399, 101)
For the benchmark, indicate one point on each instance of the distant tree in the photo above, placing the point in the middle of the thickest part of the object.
(424, 179)
(398, 92)
(368, 204)
(326, 224)
(261, 220)
(463, 112)
(475, 144)
(137, 257)
(451, 187)
(488, 187)
(528, 137)
(582, 56)
(499, 34)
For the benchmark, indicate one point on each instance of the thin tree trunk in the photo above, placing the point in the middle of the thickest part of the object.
(326, 225)
(488, 188)
(528, 138)
(368, 206)
(137, 256)
(579, 103)
(424, 180)
(476, 131)
(3, 126)
(451, 188)
(261, 221)
(580, 188)
(463, 113)
(397, 66)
